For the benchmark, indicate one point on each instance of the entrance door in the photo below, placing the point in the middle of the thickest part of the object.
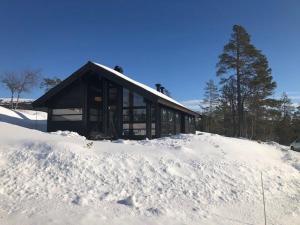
(112, 110)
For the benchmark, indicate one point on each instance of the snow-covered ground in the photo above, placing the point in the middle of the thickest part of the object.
(62, 178)
(25, 118)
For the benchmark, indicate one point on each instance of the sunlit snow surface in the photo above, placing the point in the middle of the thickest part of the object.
(61, 178)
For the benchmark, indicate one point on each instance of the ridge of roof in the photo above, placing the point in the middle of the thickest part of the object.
(152, 90)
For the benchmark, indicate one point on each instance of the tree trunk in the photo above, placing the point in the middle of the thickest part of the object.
(17, 102)
(238, 85)
(12, 100)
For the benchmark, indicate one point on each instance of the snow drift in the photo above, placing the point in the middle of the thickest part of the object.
(62, 178)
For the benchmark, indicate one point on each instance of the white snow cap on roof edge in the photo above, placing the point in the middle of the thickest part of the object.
(152, 90)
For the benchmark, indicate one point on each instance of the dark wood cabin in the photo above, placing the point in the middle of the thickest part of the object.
(101, 103)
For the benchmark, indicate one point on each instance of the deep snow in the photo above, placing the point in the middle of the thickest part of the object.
(62, 178)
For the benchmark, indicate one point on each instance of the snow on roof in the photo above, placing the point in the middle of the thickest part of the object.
(152, 90)
(6, 100)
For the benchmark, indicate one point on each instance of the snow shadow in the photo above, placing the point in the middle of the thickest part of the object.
(24, 122)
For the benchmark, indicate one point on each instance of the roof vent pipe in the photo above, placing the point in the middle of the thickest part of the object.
(119, 69)
(158, 86)
(162, 90)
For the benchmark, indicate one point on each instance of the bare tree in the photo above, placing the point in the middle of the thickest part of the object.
(11, 81)
(26, 81)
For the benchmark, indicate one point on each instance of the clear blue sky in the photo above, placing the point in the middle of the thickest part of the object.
(172, 42)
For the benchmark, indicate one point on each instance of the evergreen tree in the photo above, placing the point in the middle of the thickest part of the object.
(210, 101)
(49, 83)
(261, 87)
(236, 61)
(296, 124)
(284, 128)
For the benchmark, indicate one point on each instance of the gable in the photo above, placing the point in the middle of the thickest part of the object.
(117, 77)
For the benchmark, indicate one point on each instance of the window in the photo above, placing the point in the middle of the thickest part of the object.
(170, 121)
(125, 97)
(70, 114)
(126, 117)
(189, 124)
(138, 100)
(95, 103)
(153, 129)
(126, 129)
(95, 116)
(139, 115)
(134, 114)
(177, 123)
(153, 120)
(139, 129)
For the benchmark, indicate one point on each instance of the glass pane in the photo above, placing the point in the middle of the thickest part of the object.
(139, 115)
(126, 115)
(153, 114)
(125, 97)
(67, 118)
(126, 132)
(69, 111)
(94, 111)
(139, 126)
(139, 132)
(94, 118)
(138, 100)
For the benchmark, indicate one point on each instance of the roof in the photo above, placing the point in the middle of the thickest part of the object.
(167, 99)
(152, 90)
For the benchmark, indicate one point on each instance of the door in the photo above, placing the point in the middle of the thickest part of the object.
(112, 111)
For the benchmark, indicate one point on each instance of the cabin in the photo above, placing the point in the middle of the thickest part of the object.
(102, 103)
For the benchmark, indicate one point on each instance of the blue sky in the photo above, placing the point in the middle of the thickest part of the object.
(176, 43)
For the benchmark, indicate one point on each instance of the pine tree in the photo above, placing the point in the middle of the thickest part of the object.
(236, 62)
(210, 101)
(261, 88)
(284, 128)
(49, 83)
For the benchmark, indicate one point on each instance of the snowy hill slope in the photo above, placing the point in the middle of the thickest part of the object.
(25, 118)
(62, 178)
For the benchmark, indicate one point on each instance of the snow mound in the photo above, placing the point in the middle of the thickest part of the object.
(67, 133)
(184, 179)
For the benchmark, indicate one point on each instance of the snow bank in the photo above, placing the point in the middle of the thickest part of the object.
(185, 179)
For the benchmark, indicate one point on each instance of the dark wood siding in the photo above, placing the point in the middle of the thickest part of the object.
(72, 96)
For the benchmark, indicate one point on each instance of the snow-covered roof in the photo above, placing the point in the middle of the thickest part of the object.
(152, 90)
(90, 65)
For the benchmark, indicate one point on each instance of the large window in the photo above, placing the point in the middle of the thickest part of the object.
(177, 123)
(69, 114)
(139, 115)
(167, 122)
(134, 114)
(170, 121)
(95, 107)
(138, 100)
(189, 123)
(153, 120)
